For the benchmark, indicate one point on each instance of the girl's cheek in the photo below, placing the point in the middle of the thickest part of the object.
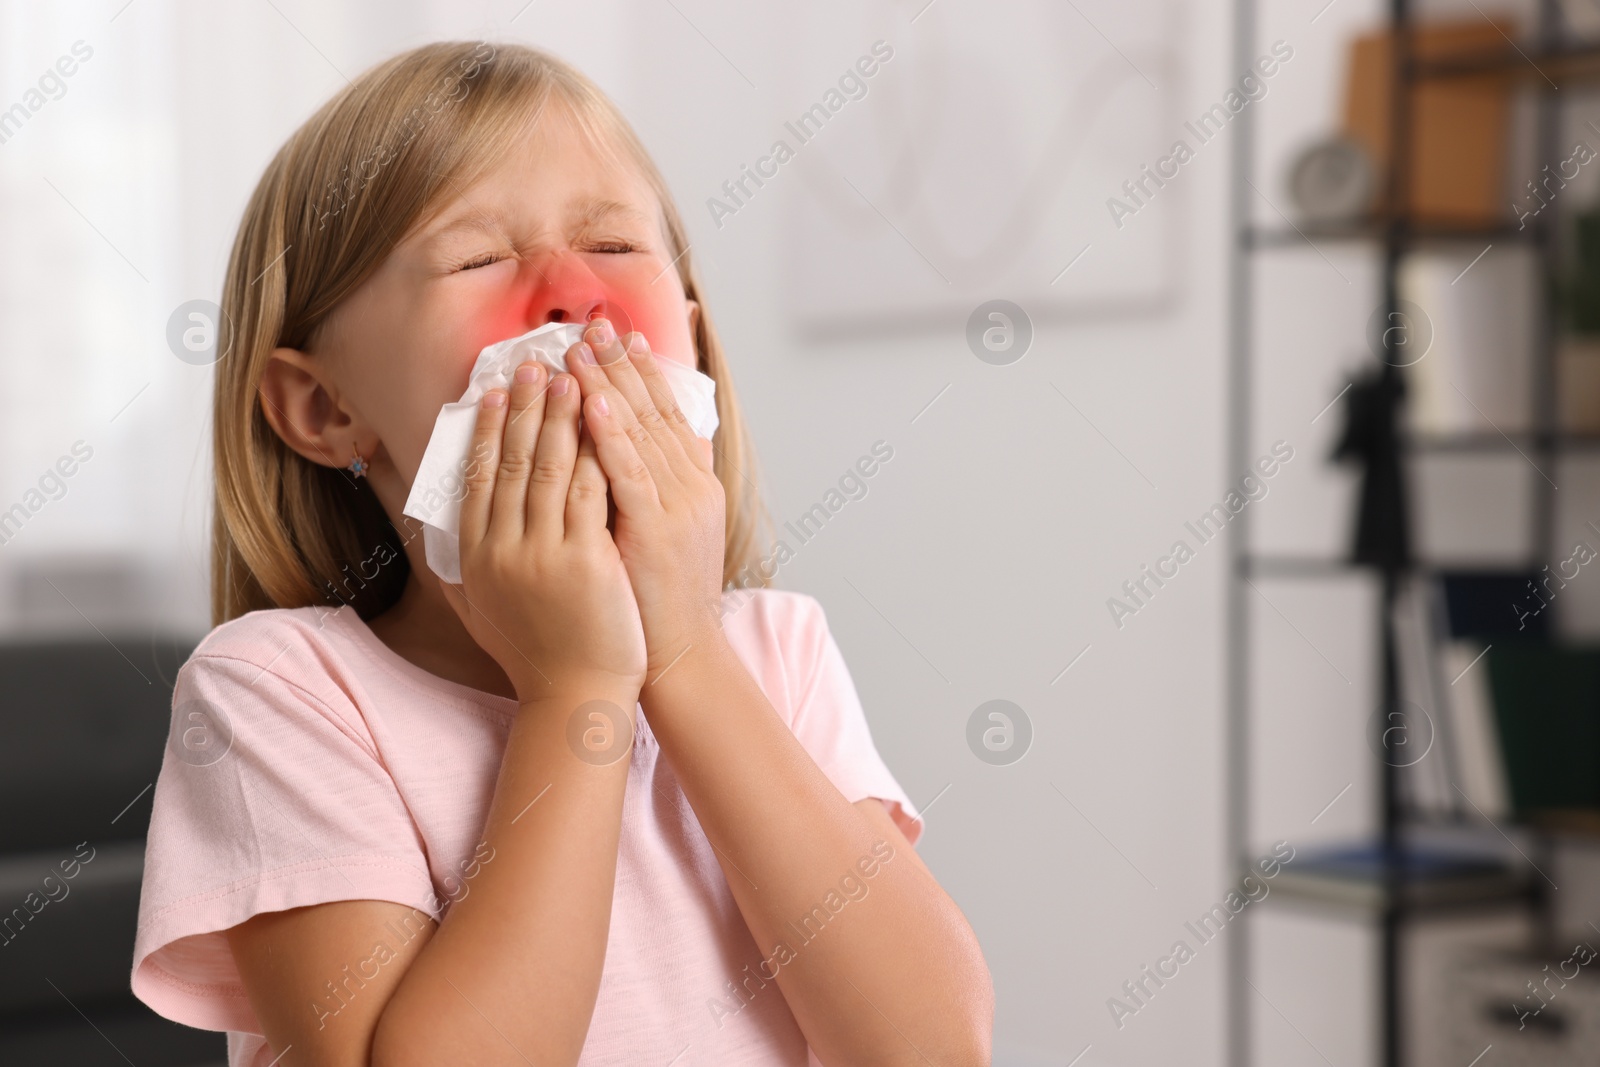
(493, 322)
(665, 328)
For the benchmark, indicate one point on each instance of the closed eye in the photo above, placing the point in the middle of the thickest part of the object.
(613, 247)
(483, 260)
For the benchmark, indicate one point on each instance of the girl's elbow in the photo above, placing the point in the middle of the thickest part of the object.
(388, 1049)
(969, 1018)
(976, 1039)
(407, 1036)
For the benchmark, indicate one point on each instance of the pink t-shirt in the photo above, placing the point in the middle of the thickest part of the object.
(345, 772)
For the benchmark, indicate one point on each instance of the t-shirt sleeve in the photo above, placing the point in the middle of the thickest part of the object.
(269, 797)
(830, 722)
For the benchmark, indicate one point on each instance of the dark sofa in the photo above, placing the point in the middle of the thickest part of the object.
(84, 725)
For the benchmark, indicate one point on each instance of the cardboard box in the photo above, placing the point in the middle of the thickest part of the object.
(1458, 124)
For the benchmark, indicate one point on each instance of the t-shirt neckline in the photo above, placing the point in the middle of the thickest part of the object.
(378, 649)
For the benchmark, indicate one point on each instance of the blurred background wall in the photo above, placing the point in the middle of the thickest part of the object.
(1024, 491)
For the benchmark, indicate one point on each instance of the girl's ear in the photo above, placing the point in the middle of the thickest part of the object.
(694, 317)
(304, 409)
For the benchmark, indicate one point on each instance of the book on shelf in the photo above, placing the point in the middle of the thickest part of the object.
(1354, 875)
(1469, 716)
(1450, 761)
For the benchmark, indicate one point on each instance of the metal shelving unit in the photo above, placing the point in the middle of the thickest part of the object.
(1535, 66)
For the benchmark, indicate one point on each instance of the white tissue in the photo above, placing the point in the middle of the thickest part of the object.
(440, 485)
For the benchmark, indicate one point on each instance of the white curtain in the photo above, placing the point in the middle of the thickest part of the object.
(121, 187)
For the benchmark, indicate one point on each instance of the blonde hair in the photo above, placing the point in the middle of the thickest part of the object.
(372, 163)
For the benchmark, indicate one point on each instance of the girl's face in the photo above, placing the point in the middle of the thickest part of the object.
(551, 234)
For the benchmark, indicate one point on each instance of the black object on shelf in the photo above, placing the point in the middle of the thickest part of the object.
(1372, 439)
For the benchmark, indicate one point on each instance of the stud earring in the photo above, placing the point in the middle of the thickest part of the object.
(358, 465)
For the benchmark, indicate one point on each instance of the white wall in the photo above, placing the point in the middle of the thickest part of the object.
(990, 544)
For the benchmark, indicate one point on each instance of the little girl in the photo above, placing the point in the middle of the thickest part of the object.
(574, 810)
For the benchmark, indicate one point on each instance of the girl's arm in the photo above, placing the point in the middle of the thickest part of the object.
(509, 976)
(512, 973)
(892, 977)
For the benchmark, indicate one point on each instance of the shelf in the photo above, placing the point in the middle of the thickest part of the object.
(1568, 63)
(1583, 823)
(1432, 878)
(1345, 896)
(1495, 442)
(1278, 565)
(1354, 882)
(1259, 238)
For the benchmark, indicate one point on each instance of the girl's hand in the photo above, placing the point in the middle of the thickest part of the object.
(669, 524)
(544, 590)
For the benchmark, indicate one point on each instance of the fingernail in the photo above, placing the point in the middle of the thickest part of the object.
(559, 386)
(527, 372)
(585, 354)
(494, 399)
(601, 333)
(600, 405)
(637, 345)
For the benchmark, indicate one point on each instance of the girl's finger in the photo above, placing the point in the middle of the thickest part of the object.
(586, 499)
(648, 366)
(632, 485)
(480, 472)
(595, 380)
(550, 483)
(509, 517)
(623, 373)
